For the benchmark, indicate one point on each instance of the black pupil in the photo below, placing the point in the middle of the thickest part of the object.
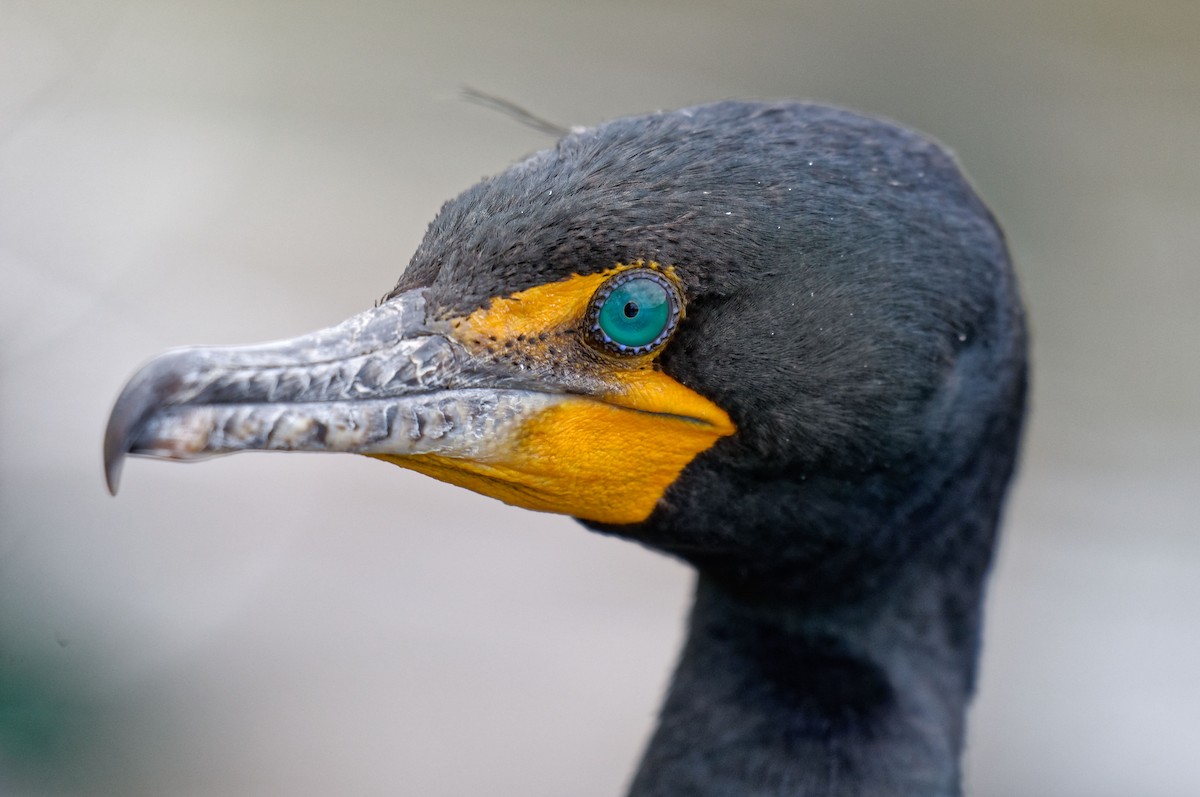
(631, 309)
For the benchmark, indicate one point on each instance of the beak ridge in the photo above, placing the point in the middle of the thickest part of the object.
(335, 389)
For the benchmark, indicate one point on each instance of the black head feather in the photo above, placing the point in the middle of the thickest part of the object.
(850, 303)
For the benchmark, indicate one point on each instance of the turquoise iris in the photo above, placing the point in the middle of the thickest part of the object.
(636, 313)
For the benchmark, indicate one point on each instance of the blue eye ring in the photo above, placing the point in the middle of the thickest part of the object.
(618, 298)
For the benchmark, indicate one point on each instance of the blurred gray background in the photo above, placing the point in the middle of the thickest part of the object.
(229, 172)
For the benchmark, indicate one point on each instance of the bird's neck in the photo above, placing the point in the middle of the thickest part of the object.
(771, 698)
(838, 663)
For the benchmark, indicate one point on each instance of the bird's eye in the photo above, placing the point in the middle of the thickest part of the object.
(635, 311)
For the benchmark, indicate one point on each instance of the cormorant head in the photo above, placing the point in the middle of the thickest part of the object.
(758, 336)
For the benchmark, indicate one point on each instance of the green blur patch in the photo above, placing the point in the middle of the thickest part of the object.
(40, 723)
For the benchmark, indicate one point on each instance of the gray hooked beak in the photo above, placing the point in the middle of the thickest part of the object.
(386, 381)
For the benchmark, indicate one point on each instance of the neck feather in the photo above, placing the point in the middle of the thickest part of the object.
(770, 699)
(843, 676)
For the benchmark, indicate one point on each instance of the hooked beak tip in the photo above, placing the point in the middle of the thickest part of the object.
(145, 391)
(112, 473)
(115, 448)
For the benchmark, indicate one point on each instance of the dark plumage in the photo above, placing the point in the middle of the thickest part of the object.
(850, 305)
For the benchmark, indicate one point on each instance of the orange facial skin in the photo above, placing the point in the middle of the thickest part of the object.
(604, 452)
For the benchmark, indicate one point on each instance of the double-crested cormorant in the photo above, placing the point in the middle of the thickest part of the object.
(782, 342)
